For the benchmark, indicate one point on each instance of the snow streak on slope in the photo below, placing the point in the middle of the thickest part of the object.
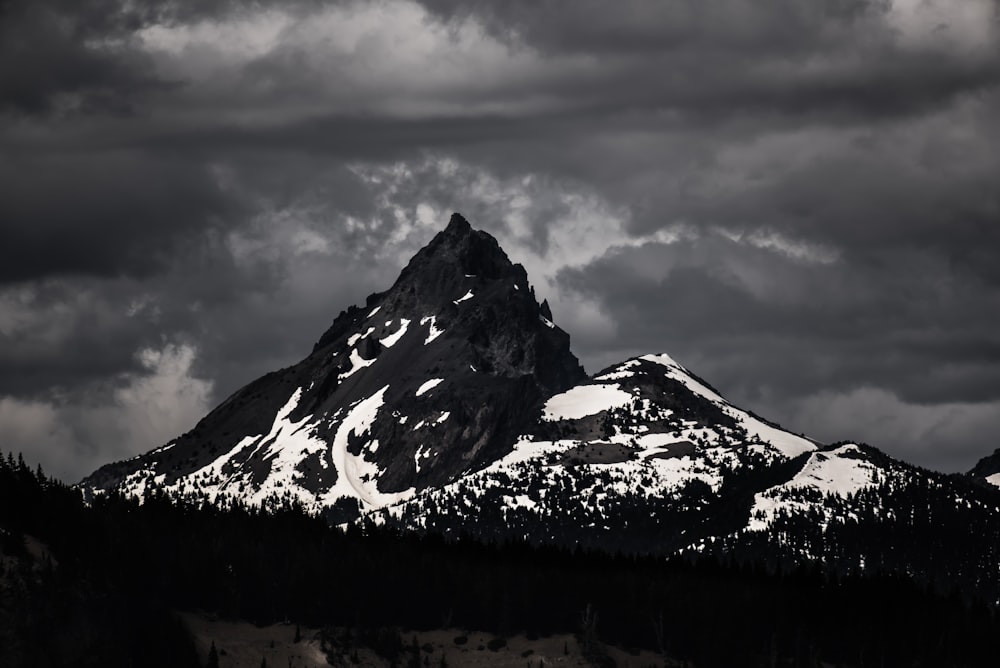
(358, 477)
(428, 386)
(284, 446)
(284, 449)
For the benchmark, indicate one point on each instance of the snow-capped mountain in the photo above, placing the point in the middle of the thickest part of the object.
(451, 402)
(431, 379)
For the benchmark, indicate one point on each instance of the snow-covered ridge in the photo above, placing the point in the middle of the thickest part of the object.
(633, 445)
(789, 444)
(839, 472)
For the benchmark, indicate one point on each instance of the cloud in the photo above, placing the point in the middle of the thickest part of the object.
(104, 213)
(77, 431)
(71, 58)
(948, 436)
(793, 198)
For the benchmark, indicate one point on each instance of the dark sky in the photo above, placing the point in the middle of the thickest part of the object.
(798, 200)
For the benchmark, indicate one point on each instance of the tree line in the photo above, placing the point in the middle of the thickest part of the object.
(112, 572)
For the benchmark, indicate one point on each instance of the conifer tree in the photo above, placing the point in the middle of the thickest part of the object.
(213, 657)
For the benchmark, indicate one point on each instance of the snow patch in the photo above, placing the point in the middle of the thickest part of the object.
(621, 371)
(164, 448)
(656, 441)
(548, 323)
(433, 331)
(354, 338)
(374, 311)
(390, 340)
(583, 400)
(467, 295)
(429, 385)
(357, 363)
(994, 479)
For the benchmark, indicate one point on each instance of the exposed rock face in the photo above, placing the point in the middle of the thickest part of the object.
(988, 469)
(432, 378)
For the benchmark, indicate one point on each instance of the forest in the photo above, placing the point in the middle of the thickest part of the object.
(98, 585)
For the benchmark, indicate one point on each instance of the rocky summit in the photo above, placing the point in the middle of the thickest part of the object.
(431, 379)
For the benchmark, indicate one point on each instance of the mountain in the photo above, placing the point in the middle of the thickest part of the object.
(451, 403)
(988, 469)
(640, 456)
(647, 458)
(431, 379)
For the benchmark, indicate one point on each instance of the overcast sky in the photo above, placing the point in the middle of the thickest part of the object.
(800, 201)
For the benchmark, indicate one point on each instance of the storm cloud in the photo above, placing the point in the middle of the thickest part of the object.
(797, 200)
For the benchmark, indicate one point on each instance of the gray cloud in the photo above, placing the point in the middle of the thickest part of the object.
(796, 200)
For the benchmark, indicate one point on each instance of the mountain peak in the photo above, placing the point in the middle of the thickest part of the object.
(436, 376)
(471, 249)
(441, 270)
(458, 225)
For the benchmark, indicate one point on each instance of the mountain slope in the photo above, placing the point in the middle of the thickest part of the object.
(432, 378)
(647, 458)
(644, 456)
